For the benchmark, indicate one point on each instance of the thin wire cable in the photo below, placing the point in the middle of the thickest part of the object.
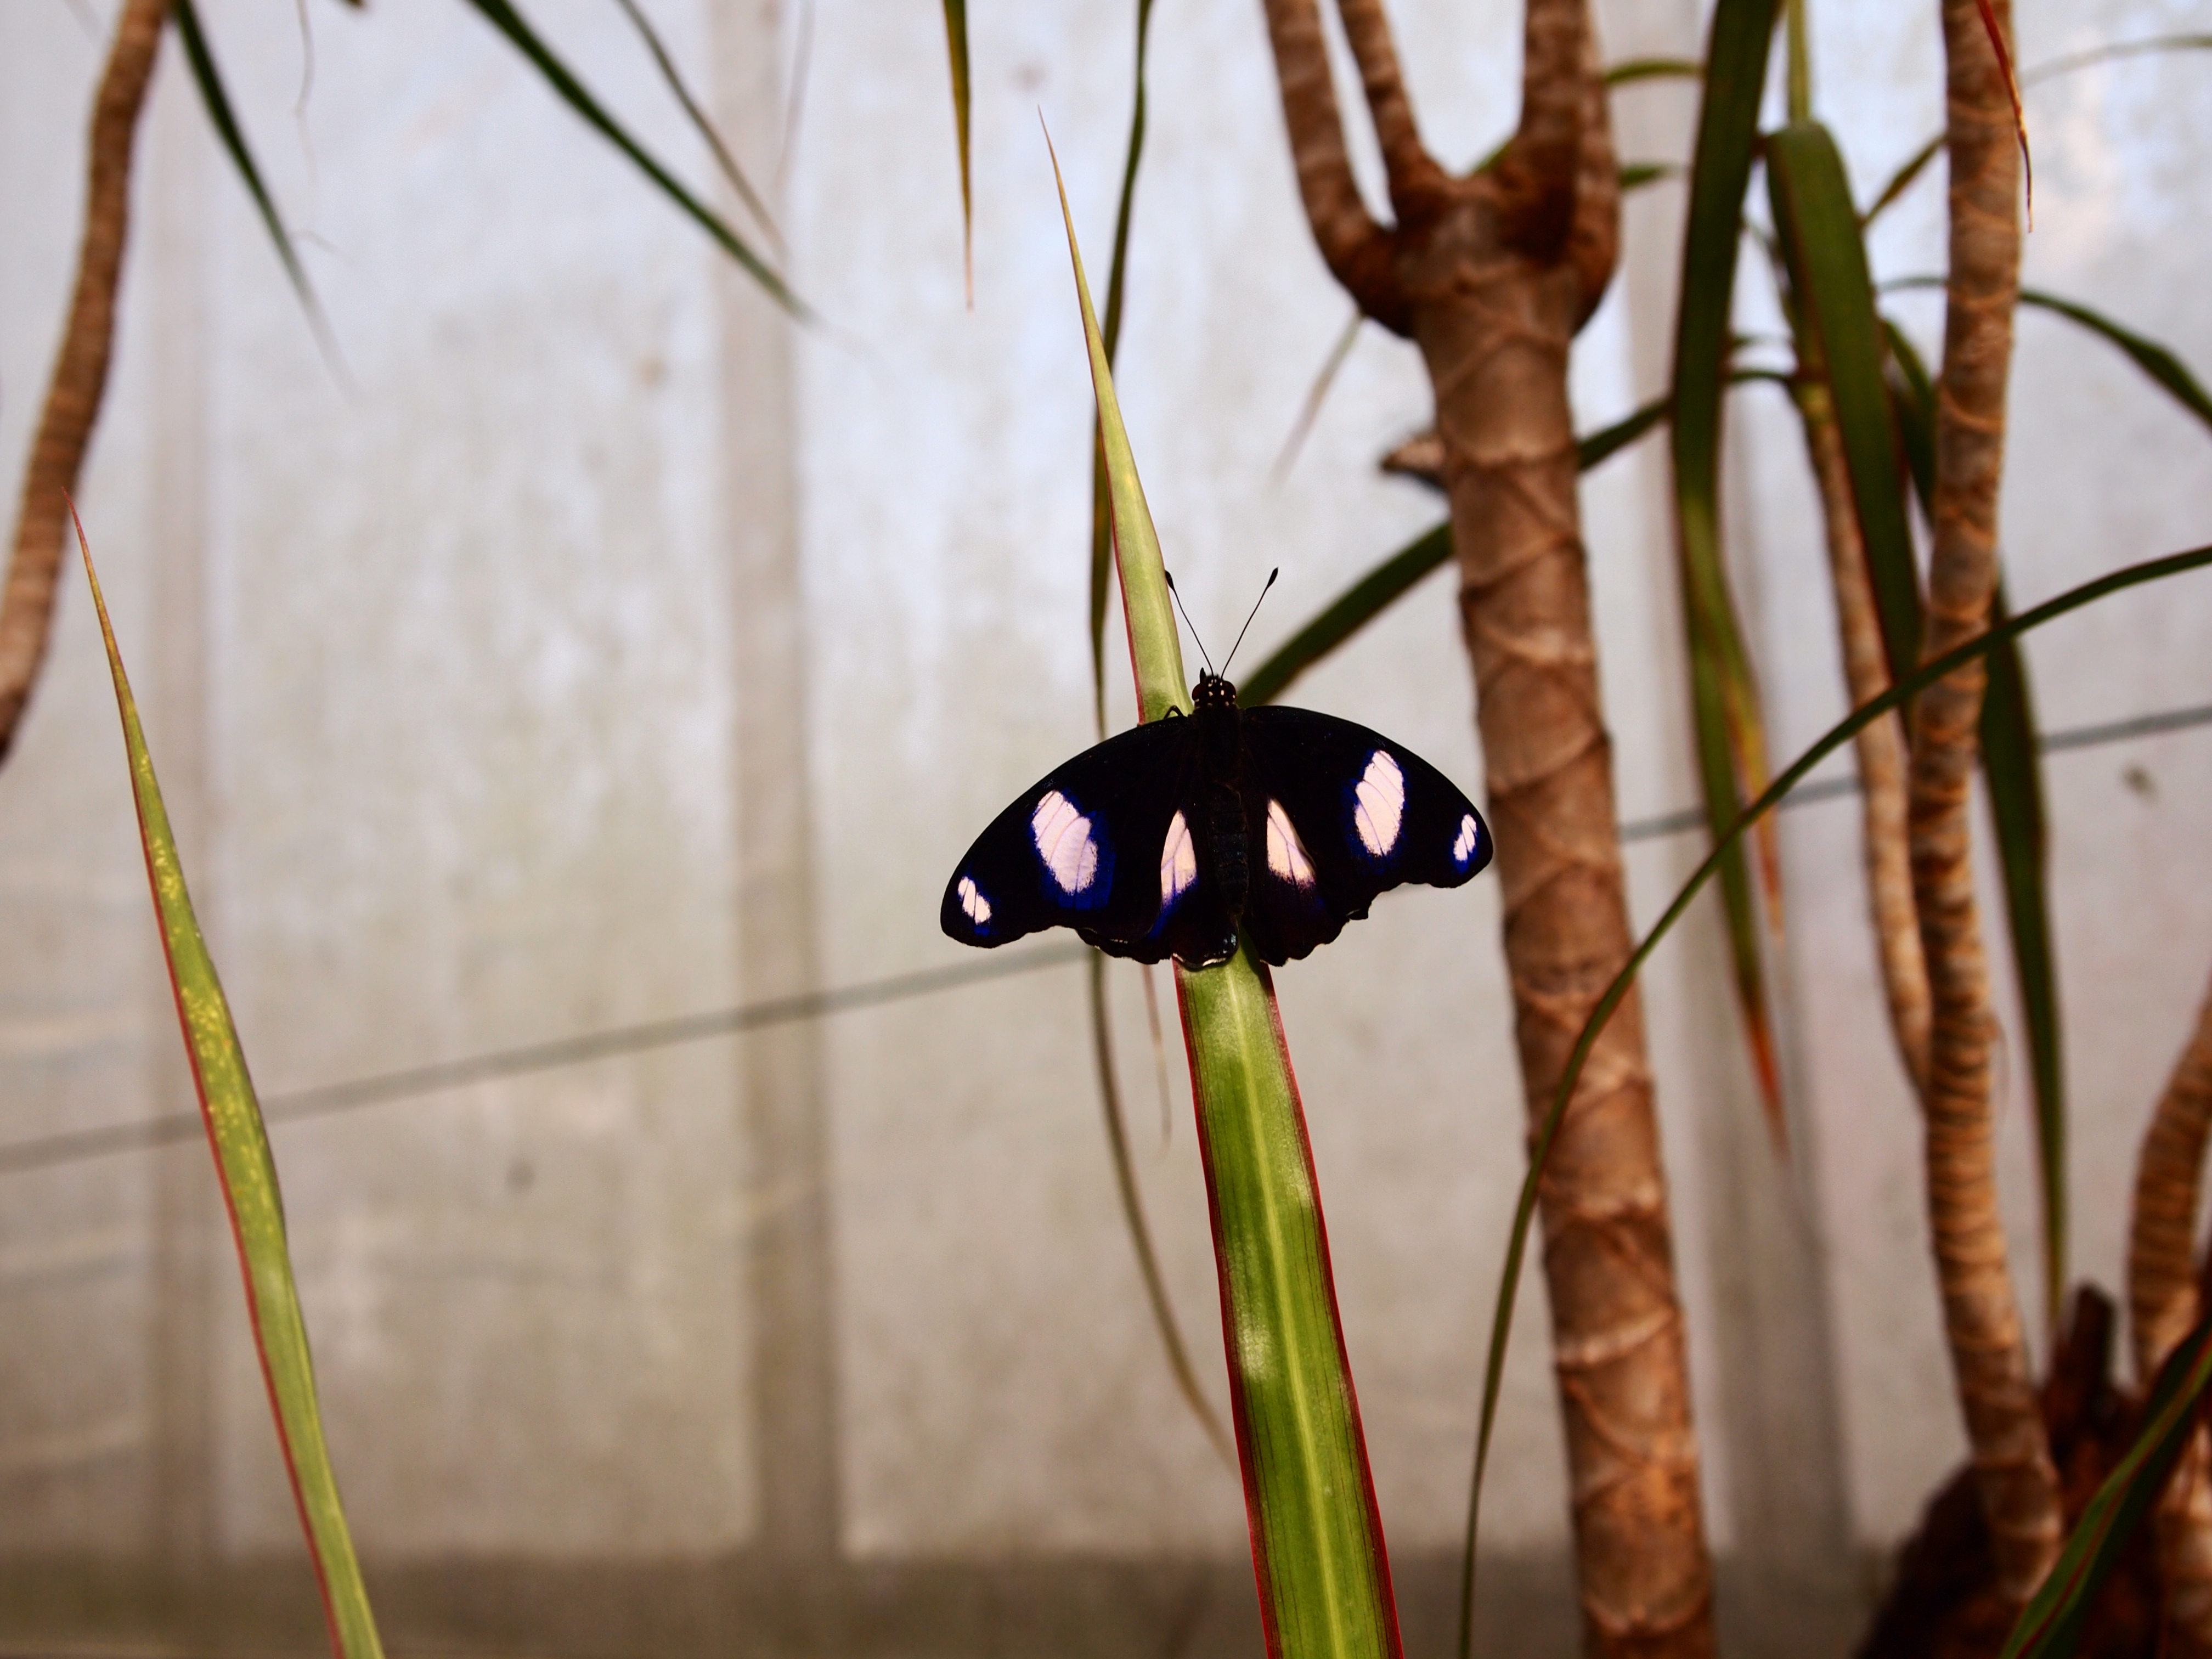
(77, 1145)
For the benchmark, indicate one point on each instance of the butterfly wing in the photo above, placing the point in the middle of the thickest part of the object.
(1101, 844)
(1336, 814)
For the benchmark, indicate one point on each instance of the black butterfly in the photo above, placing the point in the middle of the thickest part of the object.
(1160, 841)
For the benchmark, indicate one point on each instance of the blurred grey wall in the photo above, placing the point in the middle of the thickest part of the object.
(591, 648)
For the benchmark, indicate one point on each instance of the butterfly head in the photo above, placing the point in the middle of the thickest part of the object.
(1213, 692)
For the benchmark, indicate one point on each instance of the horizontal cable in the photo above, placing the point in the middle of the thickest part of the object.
(75, 1145)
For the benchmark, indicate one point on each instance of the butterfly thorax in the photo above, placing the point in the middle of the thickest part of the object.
(1214, 706)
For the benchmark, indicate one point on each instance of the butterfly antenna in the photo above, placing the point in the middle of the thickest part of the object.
(1187, 622)
(1254, 611)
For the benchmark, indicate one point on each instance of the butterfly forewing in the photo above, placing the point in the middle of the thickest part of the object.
(1357, 813)
(1084, 847)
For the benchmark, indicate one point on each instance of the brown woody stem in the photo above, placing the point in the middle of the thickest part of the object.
(1492, 285)
(1358, 250)
(1417, 185)
(80, 376)
(1880, 746)
(2164, 1303)
(2018, 1487)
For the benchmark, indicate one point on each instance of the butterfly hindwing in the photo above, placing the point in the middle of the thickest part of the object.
(1084, 847)
(1335, 814)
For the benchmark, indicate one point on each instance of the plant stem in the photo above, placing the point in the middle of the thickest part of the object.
(2018, 1486)
(80, 376)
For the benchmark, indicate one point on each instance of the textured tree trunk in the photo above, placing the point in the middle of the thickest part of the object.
(2163, 1303)
(1981, 1318)
(1880, 746)
(80, 378)
(1490, 276)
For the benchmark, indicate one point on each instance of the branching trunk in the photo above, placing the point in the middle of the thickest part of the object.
(1981, 1317)
(1490, 276)
(1880, 746)
(2164, 1303)
(80, 378)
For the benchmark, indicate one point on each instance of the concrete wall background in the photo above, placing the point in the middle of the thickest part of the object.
(606, 651)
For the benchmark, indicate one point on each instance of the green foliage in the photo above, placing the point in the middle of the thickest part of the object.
(1317, 1540)
(248, 1175)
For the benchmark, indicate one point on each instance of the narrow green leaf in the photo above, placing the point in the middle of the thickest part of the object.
(1316, 1535)
(2172, 375)
(1634, 175)
(1835, 738)
(2163, 366)
(1818, 232)
(697, 117)
(1382, 587)
(2012, 764)
(1133, 1215)
(209, 79)
(502, 15)
(1633, 70)
(1155, 648)
(956, 45)
(1903, 179)
(248, 1175)
(1912, 401)
(1117, 267)
(2082, 60)
(1310, 410)
(1724, 709)
(2052, 1623)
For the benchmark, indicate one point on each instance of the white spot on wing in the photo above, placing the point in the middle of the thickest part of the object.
(1381, 811)
(973, 902)
(1064, 841)
(1470, 832)
(1178, 863)
(1286, 854)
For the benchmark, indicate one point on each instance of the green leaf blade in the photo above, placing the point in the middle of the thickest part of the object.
(240, 1141)
(1819, 235)
(955, 46)
(1724, 704)
(1317, 1535)
(2012, 767)
(503, 16)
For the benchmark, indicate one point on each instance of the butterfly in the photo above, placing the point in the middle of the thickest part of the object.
(1164, 840)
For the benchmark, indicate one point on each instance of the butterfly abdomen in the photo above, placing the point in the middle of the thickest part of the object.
(1231, 849)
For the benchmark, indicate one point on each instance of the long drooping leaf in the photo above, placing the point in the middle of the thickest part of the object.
(1835, 738)
(1383, 586)
(1117, 269)
(247, 1173)
(955, 46)
(1724, 709)
(2050, 1625)
(697, 116)
(1818, 231)
(209, 79)
(2165, 369)
(502, 15)
(1316, 1535)
(2012, 766)
(1632, 70)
